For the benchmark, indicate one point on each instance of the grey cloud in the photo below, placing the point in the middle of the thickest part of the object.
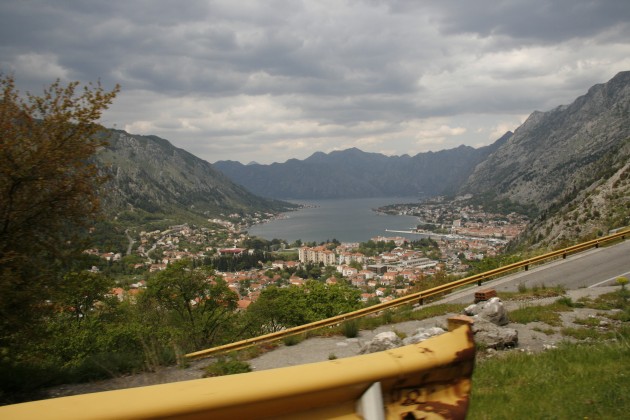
(535, 20)
(337, 63)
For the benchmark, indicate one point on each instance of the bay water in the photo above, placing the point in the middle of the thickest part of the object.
(347, 220)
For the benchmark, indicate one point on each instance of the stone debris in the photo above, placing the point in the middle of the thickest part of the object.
(422, 334)
(493, 336)
(491, 310)
(384, 341)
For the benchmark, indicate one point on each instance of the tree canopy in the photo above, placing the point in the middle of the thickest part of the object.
(48, 188)
(200, 303)
(279, 308)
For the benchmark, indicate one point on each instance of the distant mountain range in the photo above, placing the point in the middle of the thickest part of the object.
(353, 173)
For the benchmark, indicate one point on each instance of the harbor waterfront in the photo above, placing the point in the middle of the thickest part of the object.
(347, 220)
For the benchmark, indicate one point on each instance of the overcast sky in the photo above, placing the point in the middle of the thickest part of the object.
(266, 81)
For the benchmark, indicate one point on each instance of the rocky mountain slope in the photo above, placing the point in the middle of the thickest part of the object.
(556, 154)
(353, 173)
(150, 174)
(570, 167)
(594, 210)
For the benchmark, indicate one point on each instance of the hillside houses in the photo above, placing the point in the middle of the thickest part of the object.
(392, 269)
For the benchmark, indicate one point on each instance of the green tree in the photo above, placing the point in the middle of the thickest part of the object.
(48, 191)
(356, 264)
(326, 301)
(276, 309)
(195, 300)
(279, 308)
(80, 291)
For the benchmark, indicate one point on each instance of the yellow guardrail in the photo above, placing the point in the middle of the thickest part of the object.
(431, 379)
(412, 298)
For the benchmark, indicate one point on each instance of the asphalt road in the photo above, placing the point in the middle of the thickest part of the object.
(593, 268)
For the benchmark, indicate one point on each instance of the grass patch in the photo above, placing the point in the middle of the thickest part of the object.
(549, 314)
(547, 331)
(588, 322)
(350, 328)
(618, 299)
(573, 381)
(393, 316)
(292, 340)
(623, 316)
(536, 292)
(568, 302)
(614, 300)
(400, 334)
(255, 351)
(587, 333)
(406, 313)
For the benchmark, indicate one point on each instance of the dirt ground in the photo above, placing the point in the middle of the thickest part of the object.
(321, 349)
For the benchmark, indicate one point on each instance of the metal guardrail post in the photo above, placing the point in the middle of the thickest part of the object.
(370, 405)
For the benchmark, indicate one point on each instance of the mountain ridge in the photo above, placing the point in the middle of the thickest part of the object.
(148, 173)
(353, 173)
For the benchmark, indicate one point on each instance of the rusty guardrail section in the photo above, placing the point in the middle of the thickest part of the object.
(431, 379)
(412, 298)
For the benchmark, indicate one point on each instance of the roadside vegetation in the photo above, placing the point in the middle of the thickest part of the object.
(586, 376)
(570, 382)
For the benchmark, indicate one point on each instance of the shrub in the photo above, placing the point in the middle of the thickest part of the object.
(227, 367)
(387, 316)
(566, 301)
(350, 328)
(292, 340)
(400, 334)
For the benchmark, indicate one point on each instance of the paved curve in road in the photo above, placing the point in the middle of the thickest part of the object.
(592, 268)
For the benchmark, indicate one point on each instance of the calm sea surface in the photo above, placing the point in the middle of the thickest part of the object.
(347, 220)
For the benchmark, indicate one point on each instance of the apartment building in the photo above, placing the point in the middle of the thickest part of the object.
(316, 255)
